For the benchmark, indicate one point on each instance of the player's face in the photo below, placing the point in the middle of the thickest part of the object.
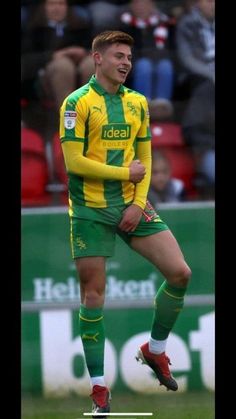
(114, 64)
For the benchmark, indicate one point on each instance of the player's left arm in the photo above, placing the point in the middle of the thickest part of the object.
(144, 154)
(141, 189)
(133, 214)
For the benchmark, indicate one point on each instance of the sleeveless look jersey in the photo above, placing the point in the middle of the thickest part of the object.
(110, 127)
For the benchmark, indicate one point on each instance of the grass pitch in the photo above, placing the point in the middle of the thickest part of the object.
(190, 405)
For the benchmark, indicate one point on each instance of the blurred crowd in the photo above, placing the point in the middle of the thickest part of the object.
(173, 66)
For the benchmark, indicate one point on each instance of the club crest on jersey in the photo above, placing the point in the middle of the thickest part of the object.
(69, 119)
(132, 108)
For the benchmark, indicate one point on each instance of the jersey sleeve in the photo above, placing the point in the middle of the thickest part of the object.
(73, 117)
(73, 133)
(143, 153)
(144, 133)
(80, 165)
(141, 188)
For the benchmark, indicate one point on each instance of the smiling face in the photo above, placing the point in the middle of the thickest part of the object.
(113, 65)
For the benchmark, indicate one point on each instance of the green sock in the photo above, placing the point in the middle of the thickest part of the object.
(93, 338)
(169, 302)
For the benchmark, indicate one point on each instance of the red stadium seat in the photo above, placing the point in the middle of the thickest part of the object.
(166, 134)
(59, 167)
(168, 137)
(182, 166)
(34, 170)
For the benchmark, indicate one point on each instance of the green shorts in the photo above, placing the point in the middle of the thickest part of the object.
(93, 230)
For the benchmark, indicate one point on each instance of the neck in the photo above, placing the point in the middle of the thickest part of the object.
(108, 85)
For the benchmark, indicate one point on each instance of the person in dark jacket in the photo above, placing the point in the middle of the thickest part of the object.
(195, 42)
(55, 50)
(153, 70)
(196, 53)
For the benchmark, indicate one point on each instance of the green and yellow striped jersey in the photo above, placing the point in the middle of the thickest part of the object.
(107, 129)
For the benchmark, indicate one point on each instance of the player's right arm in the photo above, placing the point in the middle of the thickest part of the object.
(76, 162)
(80, 165)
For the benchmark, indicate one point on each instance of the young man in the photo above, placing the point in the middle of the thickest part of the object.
(106, 142)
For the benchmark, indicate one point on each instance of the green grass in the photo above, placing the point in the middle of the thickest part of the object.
(190, 405)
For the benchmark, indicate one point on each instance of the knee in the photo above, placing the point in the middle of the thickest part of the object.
(165, 66)
(61, 65)
(93, 297)
(92, 294)
(181, 277)
(143, 66)
(86, 69)
(92, 286)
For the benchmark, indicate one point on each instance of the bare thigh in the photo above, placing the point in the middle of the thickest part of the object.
(164, 252)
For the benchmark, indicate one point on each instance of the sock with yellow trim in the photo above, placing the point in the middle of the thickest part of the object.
(169, 302)
(93, 338)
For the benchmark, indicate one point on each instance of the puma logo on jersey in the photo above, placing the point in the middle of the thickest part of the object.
(92, 337)
(96, 108)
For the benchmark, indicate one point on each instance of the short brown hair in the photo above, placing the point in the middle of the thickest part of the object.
(104, 39)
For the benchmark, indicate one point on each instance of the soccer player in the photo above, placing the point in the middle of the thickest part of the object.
(106, 142)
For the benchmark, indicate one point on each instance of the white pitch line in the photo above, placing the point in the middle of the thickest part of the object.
(118, 414)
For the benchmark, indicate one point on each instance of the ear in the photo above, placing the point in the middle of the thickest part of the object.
(97, 57)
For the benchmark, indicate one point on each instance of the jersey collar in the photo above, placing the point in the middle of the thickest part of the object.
(100, 90)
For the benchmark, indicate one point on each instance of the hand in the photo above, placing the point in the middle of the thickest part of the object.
(137, 171)
(75, 53)
(131, 217)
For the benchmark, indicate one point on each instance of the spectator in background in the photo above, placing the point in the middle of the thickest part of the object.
(23, 16)
(198, 125)
(27, 7)
(80, 8)
(164, 188)
(195, 42)
(153, 71)
(178, 7)
(195, 39)
(55, 50)
(105, 14)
